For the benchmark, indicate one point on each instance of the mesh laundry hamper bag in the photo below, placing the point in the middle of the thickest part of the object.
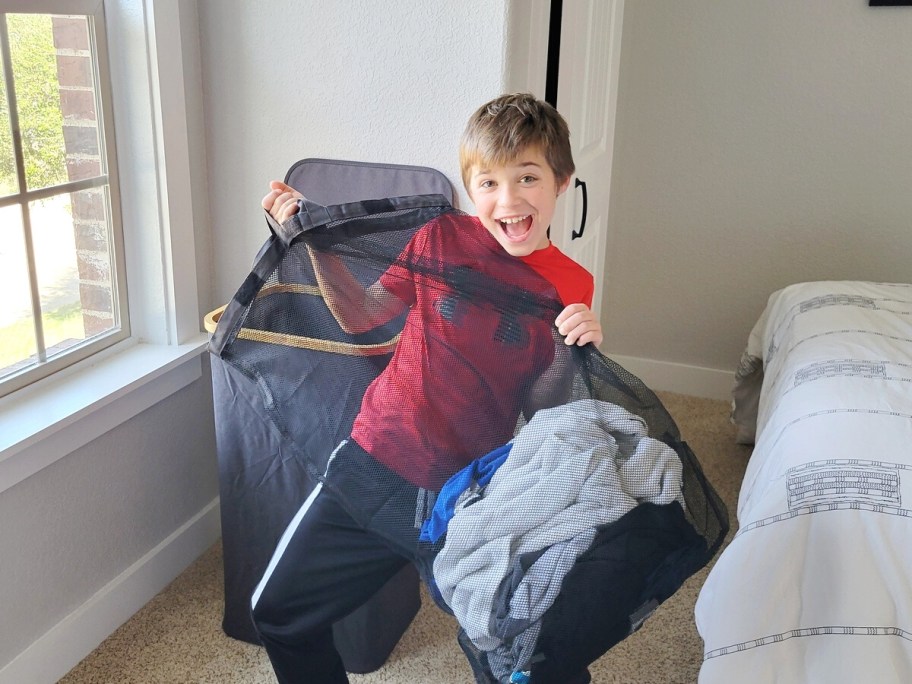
(261, 480)
(543, 492)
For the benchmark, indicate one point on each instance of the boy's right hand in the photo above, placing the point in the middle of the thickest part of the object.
(282, 201)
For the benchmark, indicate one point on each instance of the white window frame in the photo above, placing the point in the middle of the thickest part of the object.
(108, 177)
(45, 421)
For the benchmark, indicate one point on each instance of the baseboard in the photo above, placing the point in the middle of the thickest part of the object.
(695, 381)
(62, 647)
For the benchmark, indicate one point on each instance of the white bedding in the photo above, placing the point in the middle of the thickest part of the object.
(817, 584)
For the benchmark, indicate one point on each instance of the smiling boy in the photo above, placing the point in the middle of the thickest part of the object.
(461, 375)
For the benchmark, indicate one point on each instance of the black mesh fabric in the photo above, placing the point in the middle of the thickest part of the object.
(493, 324)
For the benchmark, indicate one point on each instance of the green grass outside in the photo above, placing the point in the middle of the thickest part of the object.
(17, 341)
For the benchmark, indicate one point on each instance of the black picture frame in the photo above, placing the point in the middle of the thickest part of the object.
(889, 3)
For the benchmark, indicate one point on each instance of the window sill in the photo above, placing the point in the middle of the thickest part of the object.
(43, 423)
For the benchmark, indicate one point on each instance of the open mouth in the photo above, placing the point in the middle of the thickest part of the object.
(516, 228)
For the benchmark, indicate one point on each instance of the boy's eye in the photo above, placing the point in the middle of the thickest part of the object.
(486, 184)
(527, 179)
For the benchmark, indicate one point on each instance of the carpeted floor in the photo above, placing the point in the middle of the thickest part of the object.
(177, 637)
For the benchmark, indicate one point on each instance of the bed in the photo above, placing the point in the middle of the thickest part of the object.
(816, 585)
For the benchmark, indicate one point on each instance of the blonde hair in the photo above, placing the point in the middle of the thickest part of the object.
(499, 131)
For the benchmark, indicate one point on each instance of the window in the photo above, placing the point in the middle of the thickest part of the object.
(154, 66)
(61, 256)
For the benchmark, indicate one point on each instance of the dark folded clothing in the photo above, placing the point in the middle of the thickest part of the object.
(633, 565)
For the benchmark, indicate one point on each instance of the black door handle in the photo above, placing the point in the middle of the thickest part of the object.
(579, 233)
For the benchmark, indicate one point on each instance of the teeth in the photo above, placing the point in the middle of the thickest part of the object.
(517, 219)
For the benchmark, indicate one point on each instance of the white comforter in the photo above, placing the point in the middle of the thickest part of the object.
(817, 584)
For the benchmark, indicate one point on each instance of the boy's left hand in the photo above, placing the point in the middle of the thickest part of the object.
(579, 325)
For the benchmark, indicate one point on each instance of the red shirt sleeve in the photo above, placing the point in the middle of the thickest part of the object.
(574, 284)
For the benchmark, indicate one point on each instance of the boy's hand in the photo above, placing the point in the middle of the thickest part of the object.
(579, 325)
(282, 201)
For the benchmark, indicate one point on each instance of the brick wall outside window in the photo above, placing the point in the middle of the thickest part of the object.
(83, 160)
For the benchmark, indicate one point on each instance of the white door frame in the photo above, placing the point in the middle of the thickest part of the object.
(526, 64)
(526, 70)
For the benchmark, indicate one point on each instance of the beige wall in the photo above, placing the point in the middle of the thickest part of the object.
(757, 144)
(363, 80)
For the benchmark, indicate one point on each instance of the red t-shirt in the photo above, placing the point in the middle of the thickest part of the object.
(455, 385)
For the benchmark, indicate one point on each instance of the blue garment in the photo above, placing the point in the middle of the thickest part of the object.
(479, 471)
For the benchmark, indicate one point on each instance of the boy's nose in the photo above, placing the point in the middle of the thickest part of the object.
(507, 197)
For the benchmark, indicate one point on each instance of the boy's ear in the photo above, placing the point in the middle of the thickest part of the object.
(562, 188)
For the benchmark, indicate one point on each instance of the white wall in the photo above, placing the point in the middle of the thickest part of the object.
(84, 542)
(757, 144)
(73, 529)
(391, 81)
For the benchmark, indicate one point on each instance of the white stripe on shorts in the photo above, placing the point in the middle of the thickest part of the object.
(290, 531)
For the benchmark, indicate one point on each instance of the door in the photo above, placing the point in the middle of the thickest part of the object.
(590, 51)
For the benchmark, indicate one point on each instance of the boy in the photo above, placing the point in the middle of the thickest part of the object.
(453, 390)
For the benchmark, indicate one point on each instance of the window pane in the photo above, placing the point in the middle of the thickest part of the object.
(17, 331)
(63, 214)
(55, 97)
(73, 264)
(9, 183)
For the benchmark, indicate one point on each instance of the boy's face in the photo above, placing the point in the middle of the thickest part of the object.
(515, 202)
